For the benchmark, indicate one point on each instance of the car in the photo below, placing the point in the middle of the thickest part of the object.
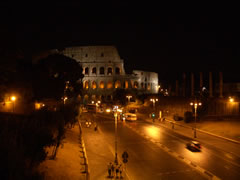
(194, 146)
(130, 116)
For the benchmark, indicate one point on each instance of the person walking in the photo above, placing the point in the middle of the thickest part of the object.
(110, 169)
(120, 170)
(117, 171)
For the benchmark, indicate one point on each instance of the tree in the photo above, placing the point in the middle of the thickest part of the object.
(56, 75)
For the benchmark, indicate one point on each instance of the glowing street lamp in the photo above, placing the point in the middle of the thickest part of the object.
(13, 99)
(64, 99)
(154, 100)
(231, 99)
(195, 104)
(128, 98)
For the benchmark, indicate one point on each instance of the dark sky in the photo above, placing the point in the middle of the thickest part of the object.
(167, 43)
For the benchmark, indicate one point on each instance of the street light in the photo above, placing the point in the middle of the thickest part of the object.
(13, 99)
(64, 99)
(195, 104)
(115, 115)
(128, 98)
(154, 100)
(231, 99)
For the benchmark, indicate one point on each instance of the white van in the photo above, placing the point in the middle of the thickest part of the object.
(130, 116)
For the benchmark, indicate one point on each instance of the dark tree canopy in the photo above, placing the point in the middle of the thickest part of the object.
(51, 75)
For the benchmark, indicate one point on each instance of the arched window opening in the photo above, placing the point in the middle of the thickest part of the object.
(93, 97)
(94, 70)
(117, 84)
(117, 70)
(109, 97)
(85, 85)
(101, 70)
(101, 84)
(94, 85)
(135, 85)
(86, 70)
(109, 85)
(109, 71)
(148, 86)
(126, 84)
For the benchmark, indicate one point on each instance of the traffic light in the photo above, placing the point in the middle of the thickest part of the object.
(153, 115)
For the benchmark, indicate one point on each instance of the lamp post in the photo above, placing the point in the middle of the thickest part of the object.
(13, 99)
(195, 104)
(64, 99)
(154, 100)
(128, 98)
(115, 116)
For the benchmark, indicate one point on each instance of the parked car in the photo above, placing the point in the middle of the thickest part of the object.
(194, 146)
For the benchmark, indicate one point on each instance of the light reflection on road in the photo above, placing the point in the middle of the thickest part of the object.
(152, 132)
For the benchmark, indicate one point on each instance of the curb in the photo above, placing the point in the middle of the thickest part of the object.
(87, 171)
(206, 132)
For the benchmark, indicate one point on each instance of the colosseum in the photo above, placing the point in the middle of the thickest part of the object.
(104, 72)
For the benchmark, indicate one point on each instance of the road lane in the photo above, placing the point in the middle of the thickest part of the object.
(210, 158)
(146, 159)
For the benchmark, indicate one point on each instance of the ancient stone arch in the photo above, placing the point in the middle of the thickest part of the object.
(117, 84)
(101, 71)
(86, 84)
(94, 85)
(101, 85)
(135, 84)
(117, 70)
(109, 71)
(94, 70)
(126, 84)
(109, 85)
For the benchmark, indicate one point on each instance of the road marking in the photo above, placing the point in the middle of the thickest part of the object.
(113, 152)
(204, 172)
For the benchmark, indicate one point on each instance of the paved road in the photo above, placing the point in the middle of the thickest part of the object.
(221, 163)
(147, 159)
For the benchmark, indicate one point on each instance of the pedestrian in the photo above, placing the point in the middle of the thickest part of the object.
(112, 168)
(117, 171)
(109, 169)
(96, 127)
(120, 170)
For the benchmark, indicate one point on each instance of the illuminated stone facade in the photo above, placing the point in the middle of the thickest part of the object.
(104, 72)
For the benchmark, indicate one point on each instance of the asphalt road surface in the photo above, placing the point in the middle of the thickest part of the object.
(154, 152)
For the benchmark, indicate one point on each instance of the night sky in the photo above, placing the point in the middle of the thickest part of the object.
(168, 43)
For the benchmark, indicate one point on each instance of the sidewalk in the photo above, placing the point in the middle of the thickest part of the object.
(229, 130)
(100, 152)
(69, 163)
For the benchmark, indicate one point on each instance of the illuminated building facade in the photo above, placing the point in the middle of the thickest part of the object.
(104, 72)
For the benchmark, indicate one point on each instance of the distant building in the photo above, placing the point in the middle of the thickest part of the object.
(104, 72)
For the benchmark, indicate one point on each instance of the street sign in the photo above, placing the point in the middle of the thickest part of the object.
(125, 155)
